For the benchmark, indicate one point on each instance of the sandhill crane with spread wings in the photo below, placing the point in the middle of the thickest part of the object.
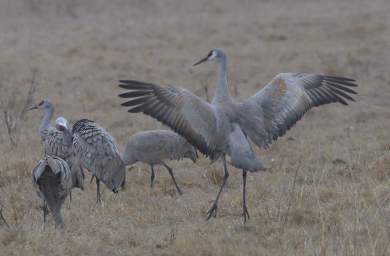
(224, 126)
(153, 147)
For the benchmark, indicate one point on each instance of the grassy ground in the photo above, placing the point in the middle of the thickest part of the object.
(327, 188)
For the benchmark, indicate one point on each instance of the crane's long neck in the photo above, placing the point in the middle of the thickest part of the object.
(222, 93)
(45, 123)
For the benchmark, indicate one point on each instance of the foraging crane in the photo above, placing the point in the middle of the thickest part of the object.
(53, 180)
(224, 126)
(152, 147)
(97, 151)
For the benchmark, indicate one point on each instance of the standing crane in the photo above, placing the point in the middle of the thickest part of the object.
(87, 145)
(53, 180)
(224, 126)
(97, 151)
(152, 147)
(57, 141)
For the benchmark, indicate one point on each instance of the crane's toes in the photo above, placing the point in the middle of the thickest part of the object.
(179, 191)
(245, 213)
(212, 212)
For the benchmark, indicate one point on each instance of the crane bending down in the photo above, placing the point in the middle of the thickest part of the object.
(53, 180)
(97, 151)
(224, 125)
(152, 147)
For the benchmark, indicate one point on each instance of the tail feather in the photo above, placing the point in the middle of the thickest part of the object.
(52, 178)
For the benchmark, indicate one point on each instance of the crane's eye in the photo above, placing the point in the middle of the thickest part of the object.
(210, 53)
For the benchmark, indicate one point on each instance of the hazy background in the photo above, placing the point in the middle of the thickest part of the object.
(327, 188)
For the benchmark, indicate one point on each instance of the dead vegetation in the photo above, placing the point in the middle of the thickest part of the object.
(327, 187)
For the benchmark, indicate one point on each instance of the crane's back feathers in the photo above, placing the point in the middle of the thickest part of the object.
(53, 180)
(97, 151)
(154, 146)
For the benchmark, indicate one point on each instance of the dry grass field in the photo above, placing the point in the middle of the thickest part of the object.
(327, 187)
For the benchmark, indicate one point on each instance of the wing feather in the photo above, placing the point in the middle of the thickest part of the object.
(182, 111)
(97, 151)
(269, 113)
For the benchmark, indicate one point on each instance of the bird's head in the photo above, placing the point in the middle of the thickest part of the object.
(215, 54)
(61, 123)
(44, 104)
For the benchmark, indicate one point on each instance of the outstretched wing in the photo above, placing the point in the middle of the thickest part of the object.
(269, 113)
(97, 151)
(185, 113)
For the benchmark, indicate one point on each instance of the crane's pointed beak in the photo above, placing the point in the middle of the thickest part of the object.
(201, 61)
(32, 108)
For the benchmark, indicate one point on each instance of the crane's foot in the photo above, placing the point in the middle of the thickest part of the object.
(179, 191)
(245, 213)
(212, 212)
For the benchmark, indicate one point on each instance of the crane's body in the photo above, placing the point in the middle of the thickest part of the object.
(224, 126)
(53, 180)
(57, 141)
(87, 145)
(154, 147)
(96, 149)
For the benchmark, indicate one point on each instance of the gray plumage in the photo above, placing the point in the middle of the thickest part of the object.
(97, 151)
(53, 180)
(225, 125)
(153, 147)
(57, 141)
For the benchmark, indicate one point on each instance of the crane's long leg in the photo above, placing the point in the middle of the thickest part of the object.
(173, 177)
(151, 176)
(98, 200)
(213, 210)
(245, 212)
(45, 211)
(2, 217)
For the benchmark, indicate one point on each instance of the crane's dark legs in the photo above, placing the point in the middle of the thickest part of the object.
(245, 212)
(173, 177)
(151, 176)
(2, 217)
(45, 211)
(213, 210)
(98, 200)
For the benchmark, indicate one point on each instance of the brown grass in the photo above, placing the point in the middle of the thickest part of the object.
(327, 188)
